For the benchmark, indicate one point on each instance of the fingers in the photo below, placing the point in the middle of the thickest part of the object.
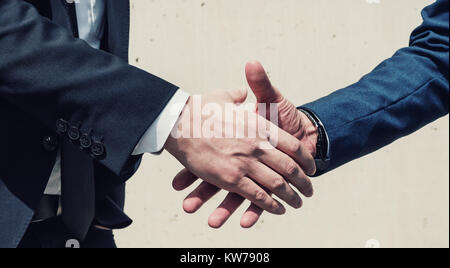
(199, 196)
(229, 205)
(274, 182)
(289, 169)
(251, 216)
(291, 146)
(250, 190)
(260, 84)
(183, 180)
(266, 93)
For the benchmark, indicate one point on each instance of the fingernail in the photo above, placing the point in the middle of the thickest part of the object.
(281, 209)
(309, 192)
(298, 203)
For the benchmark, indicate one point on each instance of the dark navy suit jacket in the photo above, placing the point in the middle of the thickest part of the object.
(47, 74)
(403, 94)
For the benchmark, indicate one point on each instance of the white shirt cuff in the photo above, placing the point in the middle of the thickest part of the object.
(156, 136)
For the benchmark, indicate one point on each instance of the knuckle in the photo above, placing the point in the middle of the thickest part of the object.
(232, 178)
(253, 146)
(249, 147)
(291, 169)
(278, 184)
(231, 183)
(260, 196)
(275, 206)
(296, 147)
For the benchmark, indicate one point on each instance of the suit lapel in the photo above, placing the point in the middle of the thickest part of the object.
(118, 25)
(117, 21)
(64, 15)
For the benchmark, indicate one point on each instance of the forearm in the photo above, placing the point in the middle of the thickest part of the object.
(51, 75)
(401, 95)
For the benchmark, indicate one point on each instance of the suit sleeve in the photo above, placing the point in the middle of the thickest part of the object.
(51, 75)
(403, 94)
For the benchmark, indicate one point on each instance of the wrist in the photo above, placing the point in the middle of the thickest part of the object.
(310, 135)
(172, 144)
(322, 154)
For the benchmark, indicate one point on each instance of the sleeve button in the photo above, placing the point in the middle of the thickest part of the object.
(98, 149)
(73, 133)
(85, 141)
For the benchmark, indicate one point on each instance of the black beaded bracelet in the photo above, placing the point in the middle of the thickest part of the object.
(322, 154)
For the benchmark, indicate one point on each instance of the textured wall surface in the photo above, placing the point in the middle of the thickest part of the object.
(398, 196)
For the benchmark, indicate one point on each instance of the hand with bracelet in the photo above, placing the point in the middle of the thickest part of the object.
(296, 122)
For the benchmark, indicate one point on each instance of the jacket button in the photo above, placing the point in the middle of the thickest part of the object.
(97, 149)
(61, 126)
(85, 141)
(50, 143)
(73, 133)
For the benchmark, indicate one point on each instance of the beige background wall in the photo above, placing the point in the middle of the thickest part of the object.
(398, 196)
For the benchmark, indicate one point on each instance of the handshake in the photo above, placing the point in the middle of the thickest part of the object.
(251, 152)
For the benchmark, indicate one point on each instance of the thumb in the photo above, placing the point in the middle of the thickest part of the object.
(260, 84)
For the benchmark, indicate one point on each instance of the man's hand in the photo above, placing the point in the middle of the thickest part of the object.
(290, 119)
(244, 165)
